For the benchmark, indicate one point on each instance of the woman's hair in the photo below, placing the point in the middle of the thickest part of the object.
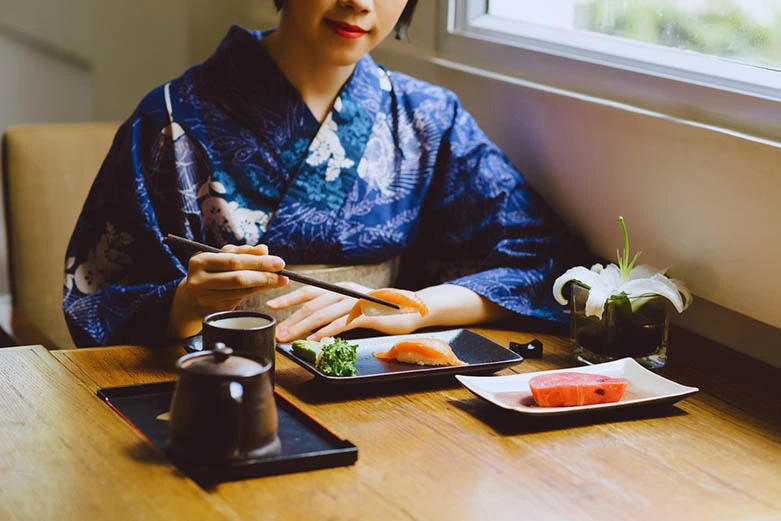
(401, 26)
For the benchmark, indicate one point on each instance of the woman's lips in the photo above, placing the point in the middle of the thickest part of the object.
(346, 30)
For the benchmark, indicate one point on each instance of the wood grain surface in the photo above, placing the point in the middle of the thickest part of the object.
(431, 450)
(64, 455)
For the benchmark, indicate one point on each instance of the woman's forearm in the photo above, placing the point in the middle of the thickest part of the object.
(452, 305)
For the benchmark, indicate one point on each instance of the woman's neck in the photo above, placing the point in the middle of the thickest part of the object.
(317, 83)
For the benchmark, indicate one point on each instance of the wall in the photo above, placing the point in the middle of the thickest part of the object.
(124, 47)
(137, 45)
(134, 46)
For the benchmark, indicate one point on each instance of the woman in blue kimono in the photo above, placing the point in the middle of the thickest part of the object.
(293, 146)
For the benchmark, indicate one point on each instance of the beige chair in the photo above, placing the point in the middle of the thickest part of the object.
(47, 172)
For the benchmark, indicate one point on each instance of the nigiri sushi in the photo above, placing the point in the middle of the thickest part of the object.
(566, 389)
(421, 351)
(408, 302)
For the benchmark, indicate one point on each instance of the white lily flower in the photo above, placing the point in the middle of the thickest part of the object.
(637, 283)
(604, 283)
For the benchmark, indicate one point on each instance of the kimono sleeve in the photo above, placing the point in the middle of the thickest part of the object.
(119, 277)
(485, 228)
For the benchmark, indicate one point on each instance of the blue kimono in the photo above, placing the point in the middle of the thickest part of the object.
(230, 153)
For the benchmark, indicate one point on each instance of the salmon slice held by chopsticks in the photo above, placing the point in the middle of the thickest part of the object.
(408, 302)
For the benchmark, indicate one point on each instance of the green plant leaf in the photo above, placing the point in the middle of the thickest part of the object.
(623, 259)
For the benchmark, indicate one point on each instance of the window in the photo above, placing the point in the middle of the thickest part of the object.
(718, 60)
(747, 31)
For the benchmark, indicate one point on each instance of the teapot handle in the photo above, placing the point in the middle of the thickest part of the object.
(232, 393)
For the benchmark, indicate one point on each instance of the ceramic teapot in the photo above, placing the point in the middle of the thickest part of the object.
(223, 408)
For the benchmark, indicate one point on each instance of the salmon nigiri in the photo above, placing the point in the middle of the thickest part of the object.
(421, 351)
(408, 302)
(573, 389)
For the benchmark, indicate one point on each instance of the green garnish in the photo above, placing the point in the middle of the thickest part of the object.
(624, 265)
(337, 358)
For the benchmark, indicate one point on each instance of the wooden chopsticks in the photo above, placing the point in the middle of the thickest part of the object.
(193, 246)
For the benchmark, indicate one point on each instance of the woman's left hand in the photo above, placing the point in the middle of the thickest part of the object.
(324, 313)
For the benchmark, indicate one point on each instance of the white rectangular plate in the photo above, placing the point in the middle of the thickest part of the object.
(643, 387)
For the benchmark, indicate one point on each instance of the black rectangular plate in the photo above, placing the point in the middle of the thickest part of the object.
(306, 444)
(481, 355)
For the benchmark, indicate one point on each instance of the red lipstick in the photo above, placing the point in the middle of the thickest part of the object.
(345, 30)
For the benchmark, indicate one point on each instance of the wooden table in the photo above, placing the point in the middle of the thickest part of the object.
(427, 450)
(65, 455)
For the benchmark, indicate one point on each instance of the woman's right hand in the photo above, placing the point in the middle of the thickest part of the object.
(219, 282)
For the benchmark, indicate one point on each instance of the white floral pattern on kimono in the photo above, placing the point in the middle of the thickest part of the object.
(220, 215)
(385, 81)
(106, 259)
(377, 166)
(327, 147)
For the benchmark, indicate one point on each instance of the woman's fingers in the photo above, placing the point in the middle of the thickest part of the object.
(295, 297)
(307, 293)
(319, 308)
(239, 267)
(220, 281)
(216, 262)
(260, 249)
(230, 280)
(333, 329)
(399, 324)
(314, 315)
(329, 318)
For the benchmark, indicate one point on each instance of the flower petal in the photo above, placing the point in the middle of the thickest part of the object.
(684, 291)
(578, 273)
(611, 276)
(597, 296)
(658, 285)
(644, 271)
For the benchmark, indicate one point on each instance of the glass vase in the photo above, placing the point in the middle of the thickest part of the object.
(640, 333)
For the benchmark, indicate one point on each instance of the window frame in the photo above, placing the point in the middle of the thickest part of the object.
(734, 105)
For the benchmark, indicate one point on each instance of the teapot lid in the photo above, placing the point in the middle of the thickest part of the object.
(221, 362)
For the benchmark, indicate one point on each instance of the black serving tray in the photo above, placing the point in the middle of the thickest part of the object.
(306, 444)
(482, 356)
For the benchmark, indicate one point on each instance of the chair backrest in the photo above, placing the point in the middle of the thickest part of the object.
(47, 172)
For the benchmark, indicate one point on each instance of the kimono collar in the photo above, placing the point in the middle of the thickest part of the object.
(245, 80)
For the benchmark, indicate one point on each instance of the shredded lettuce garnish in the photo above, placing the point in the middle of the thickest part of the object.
(337, 358)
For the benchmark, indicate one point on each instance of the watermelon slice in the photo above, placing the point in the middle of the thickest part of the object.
(573, 389)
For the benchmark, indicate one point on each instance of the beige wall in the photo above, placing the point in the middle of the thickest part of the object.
(63, 24)
(135, 45)
(127, 47)
(139, 44)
